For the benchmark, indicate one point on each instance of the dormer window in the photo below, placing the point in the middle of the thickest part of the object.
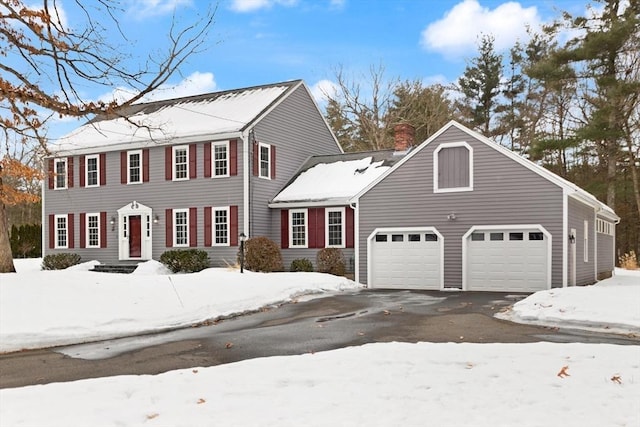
(453, 168)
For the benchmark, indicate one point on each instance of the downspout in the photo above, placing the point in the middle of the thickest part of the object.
(565, 237)
(245, 182)
(42, 216)
(356, 240)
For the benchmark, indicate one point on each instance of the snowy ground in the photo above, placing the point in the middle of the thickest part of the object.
(451, 384)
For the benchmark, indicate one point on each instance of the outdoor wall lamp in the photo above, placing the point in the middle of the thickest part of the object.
(113, 223)
(243, 237)
(452, 216)
(572, 238)
(156, 218)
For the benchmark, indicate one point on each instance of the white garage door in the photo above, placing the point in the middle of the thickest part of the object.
(405, 260)
(507, 260)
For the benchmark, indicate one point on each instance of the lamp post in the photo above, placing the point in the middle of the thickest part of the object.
(242, 240)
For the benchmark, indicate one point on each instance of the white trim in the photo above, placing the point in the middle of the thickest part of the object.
(342, 227)
(129, 154)
(306, 228)
(247, 175)
(43, 220)
(371, 236)
(585, 241)
(146, 241)
(213, 158)
(268, 147)
(64, 160)
(213, 225)
(595, 247)
(574, 267)
(565, 238)
(175, 228)
(509, 227)
(321, 114)
(86, 170)
(356, 241)
(310, 204)
(173, 162)
(55, 229)
(87, 239)
(436, 183)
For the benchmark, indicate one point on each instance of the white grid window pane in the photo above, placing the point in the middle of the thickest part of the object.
(298, 229)
(61, 232)
(181, 227)
(220, 160)
(221, 219)
(61, 174)
(134, 167)
(264, 161)
(93, 231)
(92, 171)
(335, 228)
(180, 163)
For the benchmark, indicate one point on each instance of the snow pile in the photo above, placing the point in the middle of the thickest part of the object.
(394, 384)
(50, 308)
(612, 305)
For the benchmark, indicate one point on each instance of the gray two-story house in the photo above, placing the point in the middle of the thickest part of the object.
(457, 211)
(193, 172)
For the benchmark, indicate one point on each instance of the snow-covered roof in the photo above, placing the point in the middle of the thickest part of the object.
(218, 113)
(334, 179)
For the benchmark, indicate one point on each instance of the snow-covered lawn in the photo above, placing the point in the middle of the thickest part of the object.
(452, 384)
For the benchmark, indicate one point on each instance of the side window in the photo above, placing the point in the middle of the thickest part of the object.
(92, 171)
(453, 167)
(264, 160)
(221, 227)
(220, 157)
(335, 228)
(181, 227)
(93, 230)
(60, 174)
(134, 167)
(62, 232)
(298, 228)
(180, 163)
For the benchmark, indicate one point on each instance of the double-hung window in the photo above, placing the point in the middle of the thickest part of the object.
(221, 226)
(180, 163)
(298, 222)
(92, 171)
(264, 159)
(134, 166)
(62, 232)
(220, 159)
(60, 174)
(93, 230)
(181, 227)
(335, 227)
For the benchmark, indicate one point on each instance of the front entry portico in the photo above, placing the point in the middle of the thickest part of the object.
(134, 232)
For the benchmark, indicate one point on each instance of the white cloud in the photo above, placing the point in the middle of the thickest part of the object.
(459, 30)
(321, 89)
(144, 8)
(253, 5)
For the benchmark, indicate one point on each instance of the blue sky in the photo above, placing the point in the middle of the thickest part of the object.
(256, 42)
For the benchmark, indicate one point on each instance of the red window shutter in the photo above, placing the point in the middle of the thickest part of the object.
(83, 224)
(311, 228)
(256, 159)
(81, 171)
(145, 165)
(349, 221)
(193, 165)
(233, 225)
(50, 174)
(168, 163)
(52, 231)
(273, 162)
(207, 159)
(284, 228)
(70, 227)
(193, 227)
(168, 227)
(103, 169)
(70, 172)
(123, 167)
(207, 226)
(320, 228)
(233, 157)
(103, 229)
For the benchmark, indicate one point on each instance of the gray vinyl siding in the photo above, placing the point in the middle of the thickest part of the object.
(297, 130)
(504, 193)
(578, 213)
(605, 249)
(158, 194)
(453, 167)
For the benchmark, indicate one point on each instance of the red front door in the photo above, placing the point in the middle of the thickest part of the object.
(135, 236)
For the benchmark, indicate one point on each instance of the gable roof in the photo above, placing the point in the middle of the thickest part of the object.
(220, 114)
(333, 180)
(570, 188)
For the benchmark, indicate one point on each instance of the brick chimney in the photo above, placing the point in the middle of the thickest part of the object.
(404, 136)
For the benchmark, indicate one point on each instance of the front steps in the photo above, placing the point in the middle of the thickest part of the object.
(115, 268)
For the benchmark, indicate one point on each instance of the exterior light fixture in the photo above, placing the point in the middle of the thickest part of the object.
(113, 223)
(156, 219)
(243, 238)
(451, 216)
(572, 238)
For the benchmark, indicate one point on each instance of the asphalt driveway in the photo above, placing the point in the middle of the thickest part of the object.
(330, 322)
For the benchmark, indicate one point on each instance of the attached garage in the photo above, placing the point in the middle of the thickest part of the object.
(507, 259)
(406, 258)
